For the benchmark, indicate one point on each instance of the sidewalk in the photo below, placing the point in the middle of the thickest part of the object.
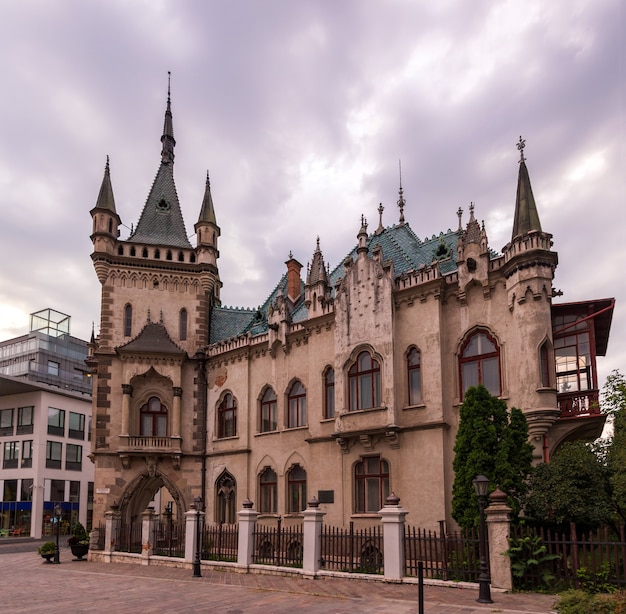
(88, 587)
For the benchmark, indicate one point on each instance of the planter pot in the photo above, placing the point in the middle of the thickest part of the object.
(79, 550)
(48, 557)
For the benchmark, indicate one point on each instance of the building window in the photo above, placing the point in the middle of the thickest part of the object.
(329, 393)
(269, 411)
(75, 491)
(76, 426)
(6, 422)
(182, 325)
(27, 453)
(480, 363)
(572, 355)
(27, 489)
(226, 498)
(10, 490)
(296, 489)
(73, 457)
(53, 367)
(56, 421)
(57, 490)
(128, 320)
(296, 405)
(227, 417)
(414, 376)
(371, 484)
(25, 420)
(544, 363)
(268, 491)
(154, 418)
(53, 454)
(364, 383)
(10, 455)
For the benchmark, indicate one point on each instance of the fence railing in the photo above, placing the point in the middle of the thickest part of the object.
(278, 545)
(220, 542)
(128, 538)
(169, 538)
(353, 550)
(590, 558)
(445, 556)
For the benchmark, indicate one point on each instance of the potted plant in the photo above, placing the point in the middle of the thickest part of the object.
(47, 550)
(79, 542)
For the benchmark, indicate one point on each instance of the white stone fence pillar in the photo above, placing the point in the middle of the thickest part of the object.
(193, 518)
(247, 523)
(148, 530)
(312, 547)
(498, 528)
(112, 523)
(392, 517)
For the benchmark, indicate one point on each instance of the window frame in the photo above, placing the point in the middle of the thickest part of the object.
(52, 462)
(414, 372)
(27, 458)
(481, 360)
(10, 456)
(268, 491)
(296, 405)
(329, 393)
(23, 427)
(7, 429)
(296, 490)
(268, 411)
(375, 480)
(578, 333)
(128, 320)
(182, 324)
(227, 413)
(145, 411)
(358, 376)
(59, 427)
(76, 433)
(73, 457)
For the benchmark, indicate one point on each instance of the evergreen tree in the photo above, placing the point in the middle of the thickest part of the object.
(490, 443)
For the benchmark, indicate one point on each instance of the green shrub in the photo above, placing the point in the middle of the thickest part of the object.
(47, 548)
(580, 602)
(597, 582)
(529, 556)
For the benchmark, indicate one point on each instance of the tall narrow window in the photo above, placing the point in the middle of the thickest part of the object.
(53, 454)
(371, 484)
(329, 393)
(414, 376)
(226, 493)
(479, 363)
(296, 489)
(227, 417)
(572, 349)
(10, 454)
(364, 382)
(73, 457)
(25, 420)
(76, 426)
(268, 485)
(182, 325)
(128, 320)
(27, 453)
(6, 422)
(296, 406)
(56, 421)
(269, 411)
(154, 418)
(544, 359)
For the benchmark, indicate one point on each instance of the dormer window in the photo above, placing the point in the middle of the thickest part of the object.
(163, 205)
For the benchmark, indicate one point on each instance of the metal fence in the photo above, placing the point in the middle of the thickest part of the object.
(169, 538)
(352, 550)
(445, 556)
(278, 545)
(220, 542)
(128, 538)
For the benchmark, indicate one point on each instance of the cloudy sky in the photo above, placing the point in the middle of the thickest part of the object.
(301, 112)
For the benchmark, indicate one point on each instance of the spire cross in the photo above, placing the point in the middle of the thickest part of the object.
(169, 77)
(460, 214)
(401, 202)
(520, 146)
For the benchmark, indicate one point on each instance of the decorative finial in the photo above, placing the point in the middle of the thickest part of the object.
(460, 214)
(169, 77)
(149, 315)
(290, 255)
(520, 145)
(471, 208)
(106, 166)
(318, 243)
(401, 201)
(380, 218)
(208, 181)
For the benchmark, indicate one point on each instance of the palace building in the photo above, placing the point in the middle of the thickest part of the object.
(345, 385)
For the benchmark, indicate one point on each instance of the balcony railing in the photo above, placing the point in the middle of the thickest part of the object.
(579, 404)
(142, 442)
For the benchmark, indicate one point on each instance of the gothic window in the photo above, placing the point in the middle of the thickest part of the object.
(479, 362)
(296, 489)
(120, 250)
(371, 484)
(268, 491)
(329, 393)
(181, 257)
(544, 363)
(364, 383)
(296, 405)
(168, 255)
(157, 253)
(111, 227)
(268, 411)
(132, 251)
(226, 498)
(182, 325)
(227, 417)
(192, 258)
(128, 320)
(153, 418)
(414, 375)
(144, 252)
(572, 354)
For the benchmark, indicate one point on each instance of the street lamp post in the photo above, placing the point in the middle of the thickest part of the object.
(196, 561)
(481, 486)
(57, 515)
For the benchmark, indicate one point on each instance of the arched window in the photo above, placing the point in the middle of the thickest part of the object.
(132, 251)
(480, 362)
(371, 484)
(296, 489)
(296, 405)
(192, 258)
(110, 226)
(168, 255)
(329, 393)
(154, 418)
(128, 320)
(364, 383)
(227, 417)
(157, 253)
(268, 491)
(181, 257)
(226, 498)
(120, 250)
(182, 325)
(544, 364)
(269, 411)
(144, 252)
(414, 375)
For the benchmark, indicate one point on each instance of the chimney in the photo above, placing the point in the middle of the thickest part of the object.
(293, 278)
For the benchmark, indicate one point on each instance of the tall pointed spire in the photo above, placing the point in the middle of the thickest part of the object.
(401, 201)
(526, 214)
(105, 196)
(167, 152)
(207, 212)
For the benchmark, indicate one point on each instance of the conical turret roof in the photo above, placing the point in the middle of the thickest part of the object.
(526, 214)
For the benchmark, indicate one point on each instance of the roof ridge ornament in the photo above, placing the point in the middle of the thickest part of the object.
(521, 144)
(401, 201)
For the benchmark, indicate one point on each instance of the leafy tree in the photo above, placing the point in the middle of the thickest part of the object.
(492, 443)
(614, 402)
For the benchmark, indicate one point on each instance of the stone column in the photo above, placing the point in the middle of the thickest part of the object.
(247, 523)
(148, 527)
(112, 523)
(178, 393)
(392, 517)
(193, 518)
(127, 393)
(312, 547)
(498, 516)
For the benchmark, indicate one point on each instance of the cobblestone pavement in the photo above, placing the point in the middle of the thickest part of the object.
(31, 585)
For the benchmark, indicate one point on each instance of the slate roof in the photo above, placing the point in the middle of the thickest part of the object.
(152, 339)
